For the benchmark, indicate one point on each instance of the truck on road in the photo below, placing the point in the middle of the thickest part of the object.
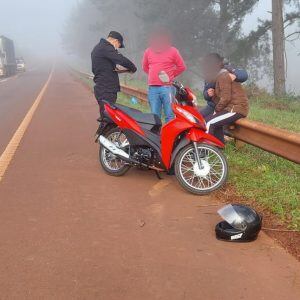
(21, 67)
(8, 64)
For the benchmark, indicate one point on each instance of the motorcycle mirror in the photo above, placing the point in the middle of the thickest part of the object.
(164, 77)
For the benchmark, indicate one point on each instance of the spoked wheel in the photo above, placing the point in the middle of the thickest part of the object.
(209, 176)
(112, 164)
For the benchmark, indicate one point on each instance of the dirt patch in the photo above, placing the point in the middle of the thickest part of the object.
(290, 240)
(276, 105)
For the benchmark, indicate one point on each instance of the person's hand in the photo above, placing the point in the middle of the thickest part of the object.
(232, 76)
(123, 71)
(211, 92)
(164, 77)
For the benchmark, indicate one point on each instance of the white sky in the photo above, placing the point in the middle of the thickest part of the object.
(35, 23)
(262, 11)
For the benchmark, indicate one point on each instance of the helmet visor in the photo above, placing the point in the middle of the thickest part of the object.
(231, 216)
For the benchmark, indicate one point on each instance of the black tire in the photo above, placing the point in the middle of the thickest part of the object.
(102, 157)
(188, 150)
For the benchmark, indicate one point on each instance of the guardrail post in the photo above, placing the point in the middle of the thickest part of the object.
(239, 144)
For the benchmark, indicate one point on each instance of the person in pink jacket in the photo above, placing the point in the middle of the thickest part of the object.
(162, 62)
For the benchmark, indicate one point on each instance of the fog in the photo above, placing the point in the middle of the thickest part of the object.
(292, 49)
(37, 27)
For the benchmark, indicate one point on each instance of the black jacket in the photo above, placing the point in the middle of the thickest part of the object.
(104, 60)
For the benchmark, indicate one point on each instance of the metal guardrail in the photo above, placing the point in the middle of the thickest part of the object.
(135, 92)
(87, 75)
(274, 140)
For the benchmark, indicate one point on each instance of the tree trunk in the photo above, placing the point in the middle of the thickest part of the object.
(223, 25)
(278, 47)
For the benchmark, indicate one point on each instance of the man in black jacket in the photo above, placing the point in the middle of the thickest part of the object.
(105, 59)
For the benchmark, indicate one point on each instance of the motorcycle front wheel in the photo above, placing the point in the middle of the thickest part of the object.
(206, 178)
(112, 164)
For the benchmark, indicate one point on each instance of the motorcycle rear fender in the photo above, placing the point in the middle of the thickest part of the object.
(122, 120)
(199, 136)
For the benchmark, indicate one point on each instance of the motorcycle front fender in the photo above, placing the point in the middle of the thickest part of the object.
(195, 135)
(200, 136)
(180, 145)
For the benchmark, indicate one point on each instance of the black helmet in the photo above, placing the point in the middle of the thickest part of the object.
(242, 223)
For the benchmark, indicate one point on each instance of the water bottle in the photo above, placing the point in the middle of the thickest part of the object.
(134, 101)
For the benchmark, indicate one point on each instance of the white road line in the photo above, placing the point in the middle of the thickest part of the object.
(9, 78)
(12, 146)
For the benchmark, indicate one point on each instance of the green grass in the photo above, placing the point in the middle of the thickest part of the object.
(128, 80)
(282, 113)
(270, 180)
(125, 100)
(258, 175)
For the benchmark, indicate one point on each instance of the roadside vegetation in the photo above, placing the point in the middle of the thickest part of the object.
(282, 113)
(268, 179)
(271, 181)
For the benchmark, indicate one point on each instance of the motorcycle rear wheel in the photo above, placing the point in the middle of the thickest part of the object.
(201, 181)
(111, 164)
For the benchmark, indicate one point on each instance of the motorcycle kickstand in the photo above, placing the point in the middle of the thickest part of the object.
(158, 175)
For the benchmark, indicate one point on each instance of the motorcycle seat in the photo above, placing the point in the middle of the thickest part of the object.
(139, 116)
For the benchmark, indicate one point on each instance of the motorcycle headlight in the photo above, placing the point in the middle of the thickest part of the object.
(188, 115)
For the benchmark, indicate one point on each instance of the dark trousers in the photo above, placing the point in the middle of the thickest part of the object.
(216, 122)
(207, 110)
(109, 97)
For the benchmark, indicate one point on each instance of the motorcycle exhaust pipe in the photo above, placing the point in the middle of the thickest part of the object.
(111, 147)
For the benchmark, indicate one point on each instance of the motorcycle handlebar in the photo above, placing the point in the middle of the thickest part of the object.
(180, 87)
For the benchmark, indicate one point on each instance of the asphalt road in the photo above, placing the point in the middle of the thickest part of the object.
(68, 231)
(16, 96)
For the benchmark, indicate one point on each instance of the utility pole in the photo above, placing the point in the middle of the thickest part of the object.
(278, 48)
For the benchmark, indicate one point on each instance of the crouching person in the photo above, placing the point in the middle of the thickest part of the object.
(231, 102)
(238, 75)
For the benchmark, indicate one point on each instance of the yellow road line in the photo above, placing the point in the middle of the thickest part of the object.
(12, 146)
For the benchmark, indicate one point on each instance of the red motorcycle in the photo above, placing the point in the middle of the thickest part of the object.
(129, 137)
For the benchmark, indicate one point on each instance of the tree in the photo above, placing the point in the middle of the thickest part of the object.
(260, 39)
(198, 26)
(201, 27)
(278, 47)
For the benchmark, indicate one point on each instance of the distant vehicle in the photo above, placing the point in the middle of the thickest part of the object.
(8, 66)
(20, 64)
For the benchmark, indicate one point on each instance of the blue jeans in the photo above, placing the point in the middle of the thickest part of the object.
(161, 97)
